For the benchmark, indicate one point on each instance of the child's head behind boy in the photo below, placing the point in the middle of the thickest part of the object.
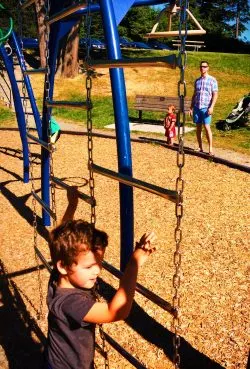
(77, 250)
(171, 109)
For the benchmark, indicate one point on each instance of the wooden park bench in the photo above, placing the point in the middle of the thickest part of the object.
(195, 45)
(158, 103)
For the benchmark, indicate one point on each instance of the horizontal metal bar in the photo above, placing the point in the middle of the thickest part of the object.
(130, 181)
(66, 12)
(43, 260)
(175, 33)
(162, 61)
(44, 206)
(69, 104)
(130, 358)
(44, 144)
(81, 195)
(28, 3)
(141, 289)
(35, 71)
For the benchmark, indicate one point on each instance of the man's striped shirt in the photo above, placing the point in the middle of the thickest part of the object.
(204, 87)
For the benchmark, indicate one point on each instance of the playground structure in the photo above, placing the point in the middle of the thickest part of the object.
(125, 168)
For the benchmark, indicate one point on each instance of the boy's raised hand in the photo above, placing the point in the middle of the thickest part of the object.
(72, 195)
(144, 248)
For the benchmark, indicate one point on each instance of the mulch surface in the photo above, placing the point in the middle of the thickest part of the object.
(215, 256)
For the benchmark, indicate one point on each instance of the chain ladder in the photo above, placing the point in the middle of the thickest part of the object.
(31, 166)
(181, 118)
(89, 73)
(89, 114)
(47, 98)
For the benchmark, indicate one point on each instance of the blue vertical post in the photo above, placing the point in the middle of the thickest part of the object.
(57, 31)
(15, 42)
(122, 131)
(8, 62)
(45, 155)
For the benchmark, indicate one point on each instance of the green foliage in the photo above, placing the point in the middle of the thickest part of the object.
(24, 20)
(138, 22)
(219, 17)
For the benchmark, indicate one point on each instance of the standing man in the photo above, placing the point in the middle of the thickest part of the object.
(202, 106)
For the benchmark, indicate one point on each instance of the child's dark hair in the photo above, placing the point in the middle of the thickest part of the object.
(72, 237)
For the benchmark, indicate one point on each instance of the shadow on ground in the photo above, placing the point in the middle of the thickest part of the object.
(18, 328)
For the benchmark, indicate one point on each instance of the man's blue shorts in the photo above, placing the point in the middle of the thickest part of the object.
(200, 116)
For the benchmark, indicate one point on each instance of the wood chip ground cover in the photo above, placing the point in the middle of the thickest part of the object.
(215, 261)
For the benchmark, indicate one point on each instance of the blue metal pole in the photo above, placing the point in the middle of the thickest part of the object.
(8, 62)
(57, 31)
(122, 131)
(15, 42)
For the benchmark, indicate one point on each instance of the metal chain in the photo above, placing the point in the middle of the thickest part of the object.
(89, 114)
(101, 332)
(47, 98)
(89, 73)
(31, 168)
(181, 120)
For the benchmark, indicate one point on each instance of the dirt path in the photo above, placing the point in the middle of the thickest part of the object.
(214, 286)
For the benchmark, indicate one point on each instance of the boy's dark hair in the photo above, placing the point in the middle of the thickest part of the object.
(72, 237)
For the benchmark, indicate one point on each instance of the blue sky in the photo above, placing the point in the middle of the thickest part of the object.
(246, 35)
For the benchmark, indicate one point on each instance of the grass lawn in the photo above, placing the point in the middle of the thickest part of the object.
(231, 70)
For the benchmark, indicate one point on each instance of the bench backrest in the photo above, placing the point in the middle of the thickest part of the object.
(159, 103)
(188, 42)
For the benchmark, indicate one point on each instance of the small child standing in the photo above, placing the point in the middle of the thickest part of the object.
(169, 124)
(77, 250)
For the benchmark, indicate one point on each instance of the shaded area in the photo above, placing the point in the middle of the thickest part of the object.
(16, 153)
(19, 204)
(161, 337)
(17, 328)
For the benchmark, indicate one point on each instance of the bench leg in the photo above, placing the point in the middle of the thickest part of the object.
(140, 115)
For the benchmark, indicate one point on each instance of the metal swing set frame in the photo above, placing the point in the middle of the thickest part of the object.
(112, 13)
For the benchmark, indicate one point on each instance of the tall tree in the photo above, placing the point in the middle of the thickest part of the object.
(221, 17)
(138, 22)
(41, 28)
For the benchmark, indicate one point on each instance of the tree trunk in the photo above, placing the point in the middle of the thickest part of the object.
(237, 20)
(70, 63)
(40, 14)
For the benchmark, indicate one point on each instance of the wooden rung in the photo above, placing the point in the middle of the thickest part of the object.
(66, 12)
(44, 206)
(44, 144)
(69, 104)
(169, 61)
(35, 71)
(175, 33)
(81, 195)
(130, 181)
(28, 3)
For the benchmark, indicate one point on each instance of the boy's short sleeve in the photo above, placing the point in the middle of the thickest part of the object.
(214, 85)
(76, 306)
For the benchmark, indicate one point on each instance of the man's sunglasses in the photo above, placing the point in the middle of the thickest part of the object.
(204, 66)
